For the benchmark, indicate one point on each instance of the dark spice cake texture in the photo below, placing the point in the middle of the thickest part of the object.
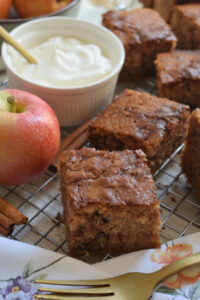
(144, 34)
(110, 202)
(178, 76)
(185, 24)
(191, 153)
(165, 7)
(136, 120)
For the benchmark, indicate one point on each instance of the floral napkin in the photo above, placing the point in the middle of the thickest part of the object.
(21, 264)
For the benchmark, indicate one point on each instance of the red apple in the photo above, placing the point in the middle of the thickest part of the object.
(34, 8)
(5, 6)
(29, 136)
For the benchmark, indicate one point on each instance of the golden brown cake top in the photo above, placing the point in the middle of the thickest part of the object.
(190, 11)
(178, 65)
(140, 116)
(137, 26)
(107, 178)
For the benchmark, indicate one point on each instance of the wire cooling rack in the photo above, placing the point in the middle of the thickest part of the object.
(40, 200)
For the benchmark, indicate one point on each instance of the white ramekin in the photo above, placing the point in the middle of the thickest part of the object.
(74, 105)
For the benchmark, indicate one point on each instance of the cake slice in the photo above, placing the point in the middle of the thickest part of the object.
(190, 158)
(165, 7)
(110, 202)
(185, 24)
(144, 34)
(178, 76)
(138, 120)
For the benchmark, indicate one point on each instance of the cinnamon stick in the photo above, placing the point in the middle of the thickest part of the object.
(80, 141)
(4, 231)
(12, 212)
(6, 224)
(74, 141)
(73, 136)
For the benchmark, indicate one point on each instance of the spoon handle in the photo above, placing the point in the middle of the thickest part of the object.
(7, 37)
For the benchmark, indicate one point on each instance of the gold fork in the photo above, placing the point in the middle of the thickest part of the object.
(134, 286)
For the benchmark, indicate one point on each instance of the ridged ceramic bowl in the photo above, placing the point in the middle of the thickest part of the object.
(14, 20)
(77, 104)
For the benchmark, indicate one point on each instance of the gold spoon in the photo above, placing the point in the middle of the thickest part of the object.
(7, 37)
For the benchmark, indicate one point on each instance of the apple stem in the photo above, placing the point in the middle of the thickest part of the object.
(12, 101)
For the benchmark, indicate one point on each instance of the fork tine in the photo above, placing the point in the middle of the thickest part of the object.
(99, 283)
(58, 297)
(85, 291)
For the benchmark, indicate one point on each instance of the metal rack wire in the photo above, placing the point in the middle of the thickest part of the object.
(40, 200)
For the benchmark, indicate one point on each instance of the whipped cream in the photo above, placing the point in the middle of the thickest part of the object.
(63, 62)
